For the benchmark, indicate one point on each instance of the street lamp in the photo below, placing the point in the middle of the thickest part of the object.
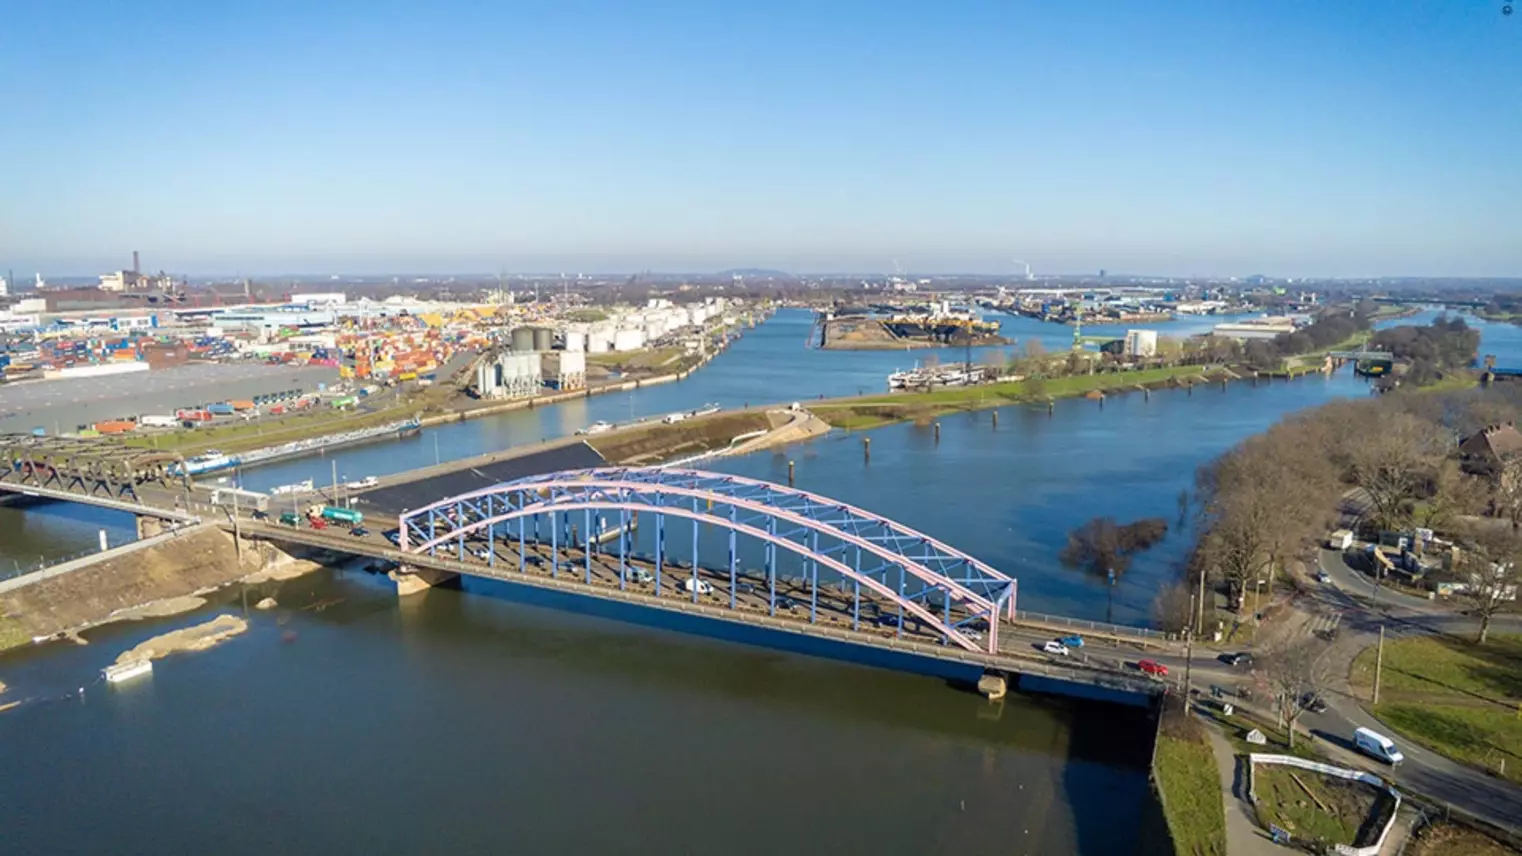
(1255, 613)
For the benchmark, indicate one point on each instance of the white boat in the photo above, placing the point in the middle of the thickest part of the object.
(299, 487)
(120, 672)
(206, 462)
(367, 481)
(706, 410)
(596, 428)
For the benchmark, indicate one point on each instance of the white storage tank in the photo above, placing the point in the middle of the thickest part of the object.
(629, 340)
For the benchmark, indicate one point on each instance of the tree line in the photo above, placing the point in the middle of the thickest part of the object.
(1391, 461)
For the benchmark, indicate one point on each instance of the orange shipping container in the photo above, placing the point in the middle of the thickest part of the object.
(242, 404)
(115, 427)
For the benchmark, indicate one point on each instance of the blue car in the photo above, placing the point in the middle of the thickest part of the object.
(1074, 641)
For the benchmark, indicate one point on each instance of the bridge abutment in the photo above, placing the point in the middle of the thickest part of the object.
(993, 685)
(410, 580)
(147, 526)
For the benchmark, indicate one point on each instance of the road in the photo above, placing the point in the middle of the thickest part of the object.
(1352, 596)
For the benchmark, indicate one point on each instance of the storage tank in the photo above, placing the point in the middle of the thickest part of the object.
(628, 340)
(523, 339)
(599, 341)
(575, 337)
(544, 339)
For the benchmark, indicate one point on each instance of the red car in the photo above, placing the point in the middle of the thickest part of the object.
(1154, 668)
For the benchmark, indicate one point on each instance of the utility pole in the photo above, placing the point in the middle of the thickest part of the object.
(335, 480)
(1200, 622)
(1379, 662)
(1188, 660)
(237, 529)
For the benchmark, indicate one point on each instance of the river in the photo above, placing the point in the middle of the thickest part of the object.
(474, 722)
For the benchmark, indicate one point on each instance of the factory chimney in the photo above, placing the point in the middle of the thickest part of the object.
(136, 271)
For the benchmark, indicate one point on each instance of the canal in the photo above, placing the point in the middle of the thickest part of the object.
(472, 721)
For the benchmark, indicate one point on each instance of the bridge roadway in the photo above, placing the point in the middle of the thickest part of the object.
(153, 500)
(1018, 645)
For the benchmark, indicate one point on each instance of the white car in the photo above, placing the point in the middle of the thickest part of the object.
(1055, 647)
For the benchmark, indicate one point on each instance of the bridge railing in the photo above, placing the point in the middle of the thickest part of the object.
(1120, 631)
(15, 569)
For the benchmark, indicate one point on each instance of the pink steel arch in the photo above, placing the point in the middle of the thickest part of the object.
(930, 619)
(611, 489)
(587, 480)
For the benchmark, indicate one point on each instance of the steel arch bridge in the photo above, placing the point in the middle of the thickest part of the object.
(904, 577)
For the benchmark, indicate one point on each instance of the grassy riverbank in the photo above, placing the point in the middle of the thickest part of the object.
(1451, 695)
(1189, 788)
(875, 410)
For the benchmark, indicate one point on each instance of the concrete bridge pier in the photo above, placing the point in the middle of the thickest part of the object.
(149, 526)
(993, 685)
(410, 580)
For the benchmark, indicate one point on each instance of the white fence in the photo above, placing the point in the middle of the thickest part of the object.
(1341, 773)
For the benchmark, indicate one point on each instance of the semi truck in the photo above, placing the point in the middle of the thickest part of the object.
(347, 516)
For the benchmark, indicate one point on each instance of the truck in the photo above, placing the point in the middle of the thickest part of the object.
(338, 515)
(221, 408)
(157, 421)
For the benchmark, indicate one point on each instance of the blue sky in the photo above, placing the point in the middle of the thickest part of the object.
(1285, 137)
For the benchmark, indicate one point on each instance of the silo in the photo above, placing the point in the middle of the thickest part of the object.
(544, 339)
(523, 339)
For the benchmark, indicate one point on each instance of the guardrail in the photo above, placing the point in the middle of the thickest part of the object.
(1123, 631)
(1341, 773)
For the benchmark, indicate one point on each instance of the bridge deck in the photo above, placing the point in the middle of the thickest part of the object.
(1017, 649)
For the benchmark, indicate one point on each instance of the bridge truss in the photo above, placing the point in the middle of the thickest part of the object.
(90, 466)
(855, 561)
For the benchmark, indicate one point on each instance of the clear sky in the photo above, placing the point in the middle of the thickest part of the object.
(1287, 137)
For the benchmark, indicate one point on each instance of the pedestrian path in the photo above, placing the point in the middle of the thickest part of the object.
(1243, 837)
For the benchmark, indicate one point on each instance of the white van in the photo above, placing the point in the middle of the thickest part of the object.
(1376, 745)
(702, 586)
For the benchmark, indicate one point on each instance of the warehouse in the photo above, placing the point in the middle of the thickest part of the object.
(61, 406)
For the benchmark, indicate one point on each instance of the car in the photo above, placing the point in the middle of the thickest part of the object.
(359, 532)
(1153, 668)
(888, 619)
(481, 553)
(1055, 647)
(394, 536)
(260, 515)
(290, 518)
(690, 585)
(1313, 703)
(1324, 578)
(1073, 641)
(787, 603)
(744, 588)
(974, 635)
(640, 575)
(1237, 660)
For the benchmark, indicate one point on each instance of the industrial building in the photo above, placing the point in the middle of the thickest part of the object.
(510, 374)
(61, 406)
(1141, 343)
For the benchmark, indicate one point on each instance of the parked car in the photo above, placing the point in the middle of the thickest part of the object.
(1073, 641)
(1055, 647)
(1152, 667)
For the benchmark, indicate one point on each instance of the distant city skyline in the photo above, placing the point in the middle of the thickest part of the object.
(1294, 139)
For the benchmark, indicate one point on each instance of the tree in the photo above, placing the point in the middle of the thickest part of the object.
(1171, 608)
(1296, 674)
(1101, 545)
(1488, 573)
(1391, 459)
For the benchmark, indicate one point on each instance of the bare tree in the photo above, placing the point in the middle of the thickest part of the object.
(1391, 455)
(1101, 545)
(1488, 573)
(1449, 494)
(1297, 675)
(1171, 608)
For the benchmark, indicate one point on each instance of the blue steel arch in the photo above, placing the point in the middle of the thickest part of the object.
(931, 576)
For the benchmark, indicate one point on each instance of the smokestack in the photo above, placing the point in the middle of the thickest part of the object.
(135, 269)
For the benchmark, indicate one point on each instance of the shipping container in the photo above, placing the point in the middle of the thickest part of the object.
(241, 404)
(221, 408)
(115, 426)
(193, 415)
(158, 421)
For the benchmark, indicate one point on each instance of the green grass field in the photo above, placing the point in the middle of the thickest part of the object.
(1449, 694)
(1186, 774)
(1281, 801)
(872, 411)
